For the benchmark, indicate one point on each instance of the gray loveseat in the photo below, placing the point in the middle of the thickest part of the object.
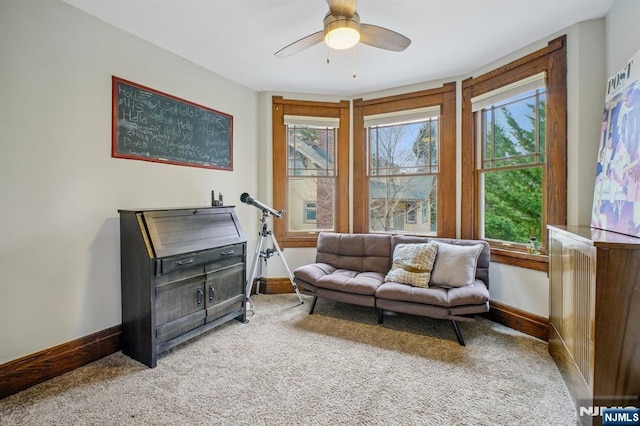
(351, 268)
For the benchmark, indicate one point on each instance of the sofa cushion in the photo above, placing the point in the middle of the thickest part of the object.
(351, 281)
(312, 273)
(455, 265)
(412, 264)
(476, 293)
(356, 252)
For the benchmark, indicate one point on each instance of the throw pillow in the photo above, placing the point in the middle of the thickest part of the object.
(412, 264)
(455, 265)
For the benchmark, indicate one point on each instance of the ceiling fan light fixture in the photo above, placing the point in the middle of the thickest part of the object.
(341, 32)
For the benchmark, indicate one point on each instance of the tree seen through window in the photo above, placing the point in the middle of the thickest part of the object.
(512, 168)
(403, 163)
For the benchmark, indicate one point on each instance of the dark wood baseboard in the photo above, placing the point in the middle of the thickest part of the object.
(522, 321)
(22, 373)
(275, 286)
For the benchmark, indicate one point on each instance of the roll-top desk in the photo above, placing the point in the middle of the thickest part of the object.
(594, 315)
(182, 273)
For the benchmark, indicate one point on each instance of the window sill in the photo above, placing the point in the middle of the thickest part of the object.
(538, 262)
(309, 240)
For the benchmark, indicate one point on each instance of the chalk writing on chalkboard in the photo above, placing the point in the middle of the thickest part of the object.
(152, 126)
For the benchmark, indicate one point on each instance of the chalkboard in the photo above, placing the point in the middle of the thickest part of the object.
(152, 126)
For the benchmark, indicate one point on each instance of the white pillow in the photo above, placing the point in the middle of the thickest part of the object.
(412, 264)
(455, 265)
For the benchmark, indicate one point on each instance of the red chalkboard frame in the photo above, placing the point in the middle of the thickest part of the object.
(116, 133)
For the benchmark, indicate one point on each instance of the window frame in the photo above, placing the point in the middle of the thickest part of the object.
(340, 110)
(552, 60)
(445, 98)
(488, 164)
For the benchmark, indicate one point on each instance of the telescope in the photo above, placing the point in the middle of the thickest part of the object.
(248, 199)
(264, 254)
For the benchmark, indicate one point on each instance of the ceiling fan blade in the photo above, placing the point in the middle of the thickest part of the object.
(383, 38)
(301, 44)
(342, 7)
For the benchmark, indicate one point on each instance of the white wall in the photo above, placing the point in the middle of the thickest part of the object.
(586, 89)
(60, 190)
(623, 33)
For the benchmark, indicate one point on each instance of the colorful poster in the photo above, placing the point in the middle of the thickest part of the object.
(616, 201)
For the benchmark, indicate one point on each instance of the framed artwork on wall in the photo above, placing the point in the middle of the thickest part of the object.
(616, 200)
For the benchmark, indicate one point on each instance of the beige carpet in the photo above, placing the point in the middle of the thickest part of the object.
(337, 366)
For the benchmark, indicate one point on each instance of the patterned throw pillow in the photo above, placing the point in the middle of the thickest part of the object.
(412, 264)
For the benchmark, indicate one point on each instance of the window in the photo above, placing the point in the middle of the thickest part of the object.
(310, 143)
(511, 167)
(310, 211)
(311, 174)
(404, 163)
(425, 212)
(403, 167)
(514, 154)
(432, 215)
(410, 212)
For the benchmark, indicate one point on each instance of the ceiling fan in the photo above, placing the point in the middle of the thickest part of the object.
(342, 30)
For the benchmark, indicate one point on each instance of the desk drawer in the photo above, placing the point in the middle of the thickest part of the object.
(187, 260)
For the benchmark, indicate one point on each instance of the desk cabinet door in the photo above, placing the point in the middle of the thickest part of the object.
(224, 290)
(179, 307)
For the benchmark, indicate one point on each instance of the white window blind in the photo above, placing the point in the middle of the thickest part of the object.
(507, 92)
(405, 116)
(298, 120)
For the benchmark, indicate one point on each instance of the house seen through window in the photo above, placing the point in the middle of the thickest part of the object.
(311, 173)
(402, 170)
(310, 169)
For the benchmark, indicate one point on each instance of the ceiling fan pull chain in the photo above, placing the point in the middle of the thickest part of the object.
(328, 55)
(354, 62)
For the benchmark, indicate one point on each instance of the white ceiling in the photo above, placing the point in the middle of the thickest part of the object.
(237, 38)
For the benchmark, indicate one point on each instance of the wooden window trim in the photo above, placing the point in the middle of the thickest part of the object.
(340, 110)
(551, 59)
(445, 98)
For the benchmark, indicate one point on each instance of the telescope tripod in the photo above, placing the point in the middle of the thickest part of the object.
(266, 254)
